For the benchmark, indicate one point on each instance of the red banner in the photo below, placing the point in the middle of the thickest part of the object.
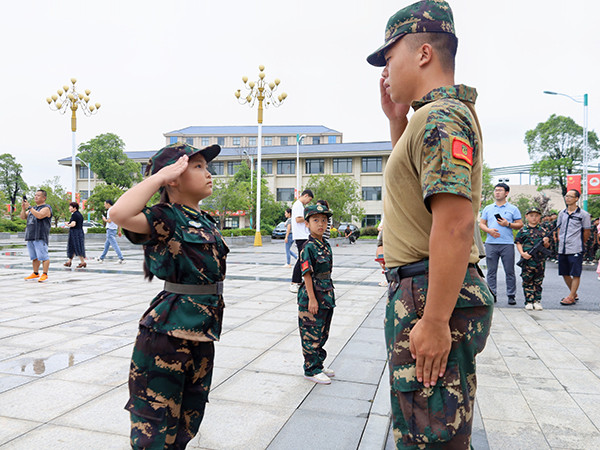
(574, 182)
(594, 183)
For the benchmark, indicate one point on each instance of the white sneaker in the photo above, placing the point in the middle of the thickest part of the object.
(293, 287)
(538, 306)
(329, 372)
(121, 261)
(319, 378)
(529, 306)
(99, 260)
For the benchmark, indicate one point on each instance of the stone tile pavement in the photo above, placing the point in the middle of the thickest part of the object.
(65, 347)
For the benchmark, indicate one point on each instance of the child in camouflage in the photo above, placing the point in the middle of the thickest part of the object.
(172, 362)
(316, 298)
(533, 268)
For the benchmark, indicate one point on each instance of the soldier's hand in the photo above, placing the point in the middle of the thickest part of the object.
(393, 111)
(526, 255)
(313, 306)
(546, 241)
(430, 344)
(172, 171)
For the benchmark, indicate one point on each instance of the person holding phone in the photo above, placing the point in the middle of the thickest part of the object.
(498, 220)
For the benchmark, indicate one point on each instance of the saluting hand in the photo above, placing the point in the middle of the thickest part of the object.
(393, 111)
(172, 171)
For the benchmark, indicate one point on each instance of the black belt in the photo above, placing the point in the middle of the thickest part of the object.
(322, 275)
(410, 270)
(194, 289)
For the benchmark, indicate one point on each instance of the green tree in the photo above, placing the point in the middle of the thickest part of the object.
(107, 159)
(525, 202)
(342, 192)
(100, 194)
(58, 198)
(12, 184)
(226, 196)
(556, 149)
(487, 187)
(594, 205)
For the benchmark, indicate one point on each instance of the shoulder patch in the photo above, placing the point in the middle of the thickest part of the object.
(461, 150)
(304, 266)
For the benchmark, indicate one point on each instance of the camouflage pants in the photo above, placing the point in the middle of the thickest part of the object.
(533, 277)
(441, 416)
(169, 382)
(314, 332)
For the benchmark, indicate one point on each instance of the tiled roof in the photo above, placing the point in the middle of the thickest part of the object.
(251, 130)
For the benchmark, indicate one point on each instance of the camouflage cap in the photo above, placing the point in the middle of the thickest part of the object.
(533, 209)
(171, 153)
(316, 209)
(427, 16)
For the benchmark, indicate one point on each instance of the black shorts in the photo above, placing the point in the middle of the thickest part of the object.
(570, 265)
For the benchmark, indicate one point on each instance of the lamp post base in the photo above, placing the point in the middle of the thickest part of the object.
(258, 239)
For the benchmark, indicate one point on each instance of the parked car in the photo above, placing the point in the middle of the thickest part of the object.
(353, 229)
(89, 224)
(279, 231)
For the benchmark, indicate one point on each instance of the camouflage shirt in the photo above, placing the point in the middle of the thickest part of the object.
(316, 258)
(528, 236)
(184, 246)
(439, 152)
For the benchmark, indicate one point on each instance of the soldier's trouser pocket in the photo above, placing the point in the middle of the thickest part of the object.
(433, 414)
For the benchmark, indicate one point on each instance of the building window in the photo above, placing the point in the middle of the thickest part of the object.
(189, 141)
(221, 141)
(205, 142)
(371, 193)
(252, 141)
(371, 220)
(233, 167)
(286, 166)
(316, 140)
(284, 140)
(83, 195)
(267, 166)
(173, 140)
(371, 164)
(331, 139)
(236, 141)
(342, 165)
(232, 222)
(315, 166)
(216, 167)
(268, 140)
(83, 172)
(285, 194)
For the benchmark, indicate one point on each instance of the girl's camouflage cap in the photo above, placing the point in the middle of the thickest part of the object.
(428, 16)
(316, 209)
(171, 153)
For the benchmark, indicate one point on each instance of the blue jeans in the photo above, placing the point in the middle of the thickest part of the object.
(506, 252)
(288, 251)
(111, 240)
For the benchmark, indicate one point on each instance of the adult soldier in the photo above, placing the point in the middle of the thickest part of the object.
(37, 233)
(439, 309)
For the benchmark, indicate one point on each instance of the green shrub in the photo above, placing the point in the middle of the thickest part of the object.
(54, 230)
(334, 233)
(369, 231)
(266, 229)
(12, 226)
(96, 230)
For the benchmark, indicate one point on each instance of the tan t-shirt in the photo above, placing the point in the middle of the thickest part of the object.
(439, 152)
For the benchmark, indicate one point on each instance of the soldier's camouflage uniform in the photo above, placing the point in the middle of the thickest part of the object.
(533, 270)
(172, 362)
(316, 258)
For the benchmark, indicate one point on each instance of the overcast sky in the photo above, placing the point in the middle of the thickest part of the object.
(158, 66)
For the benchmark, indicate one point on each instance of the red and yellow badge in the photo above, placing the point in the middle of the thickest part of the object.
(304, 266)
(462, 151)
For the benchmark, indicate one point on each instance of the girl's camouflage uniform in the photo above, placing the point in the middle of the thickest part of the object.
(172, 362)
(317, 259)
(533, 271)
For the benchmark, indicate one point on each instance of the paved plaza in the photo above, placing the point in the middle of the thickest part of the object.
(65, 347)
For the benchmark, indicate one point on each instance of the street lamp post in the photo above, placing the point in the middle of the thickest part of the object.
(245, 152)
(69, 98)
(299, 140)
(262, 92)
(581, 99)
